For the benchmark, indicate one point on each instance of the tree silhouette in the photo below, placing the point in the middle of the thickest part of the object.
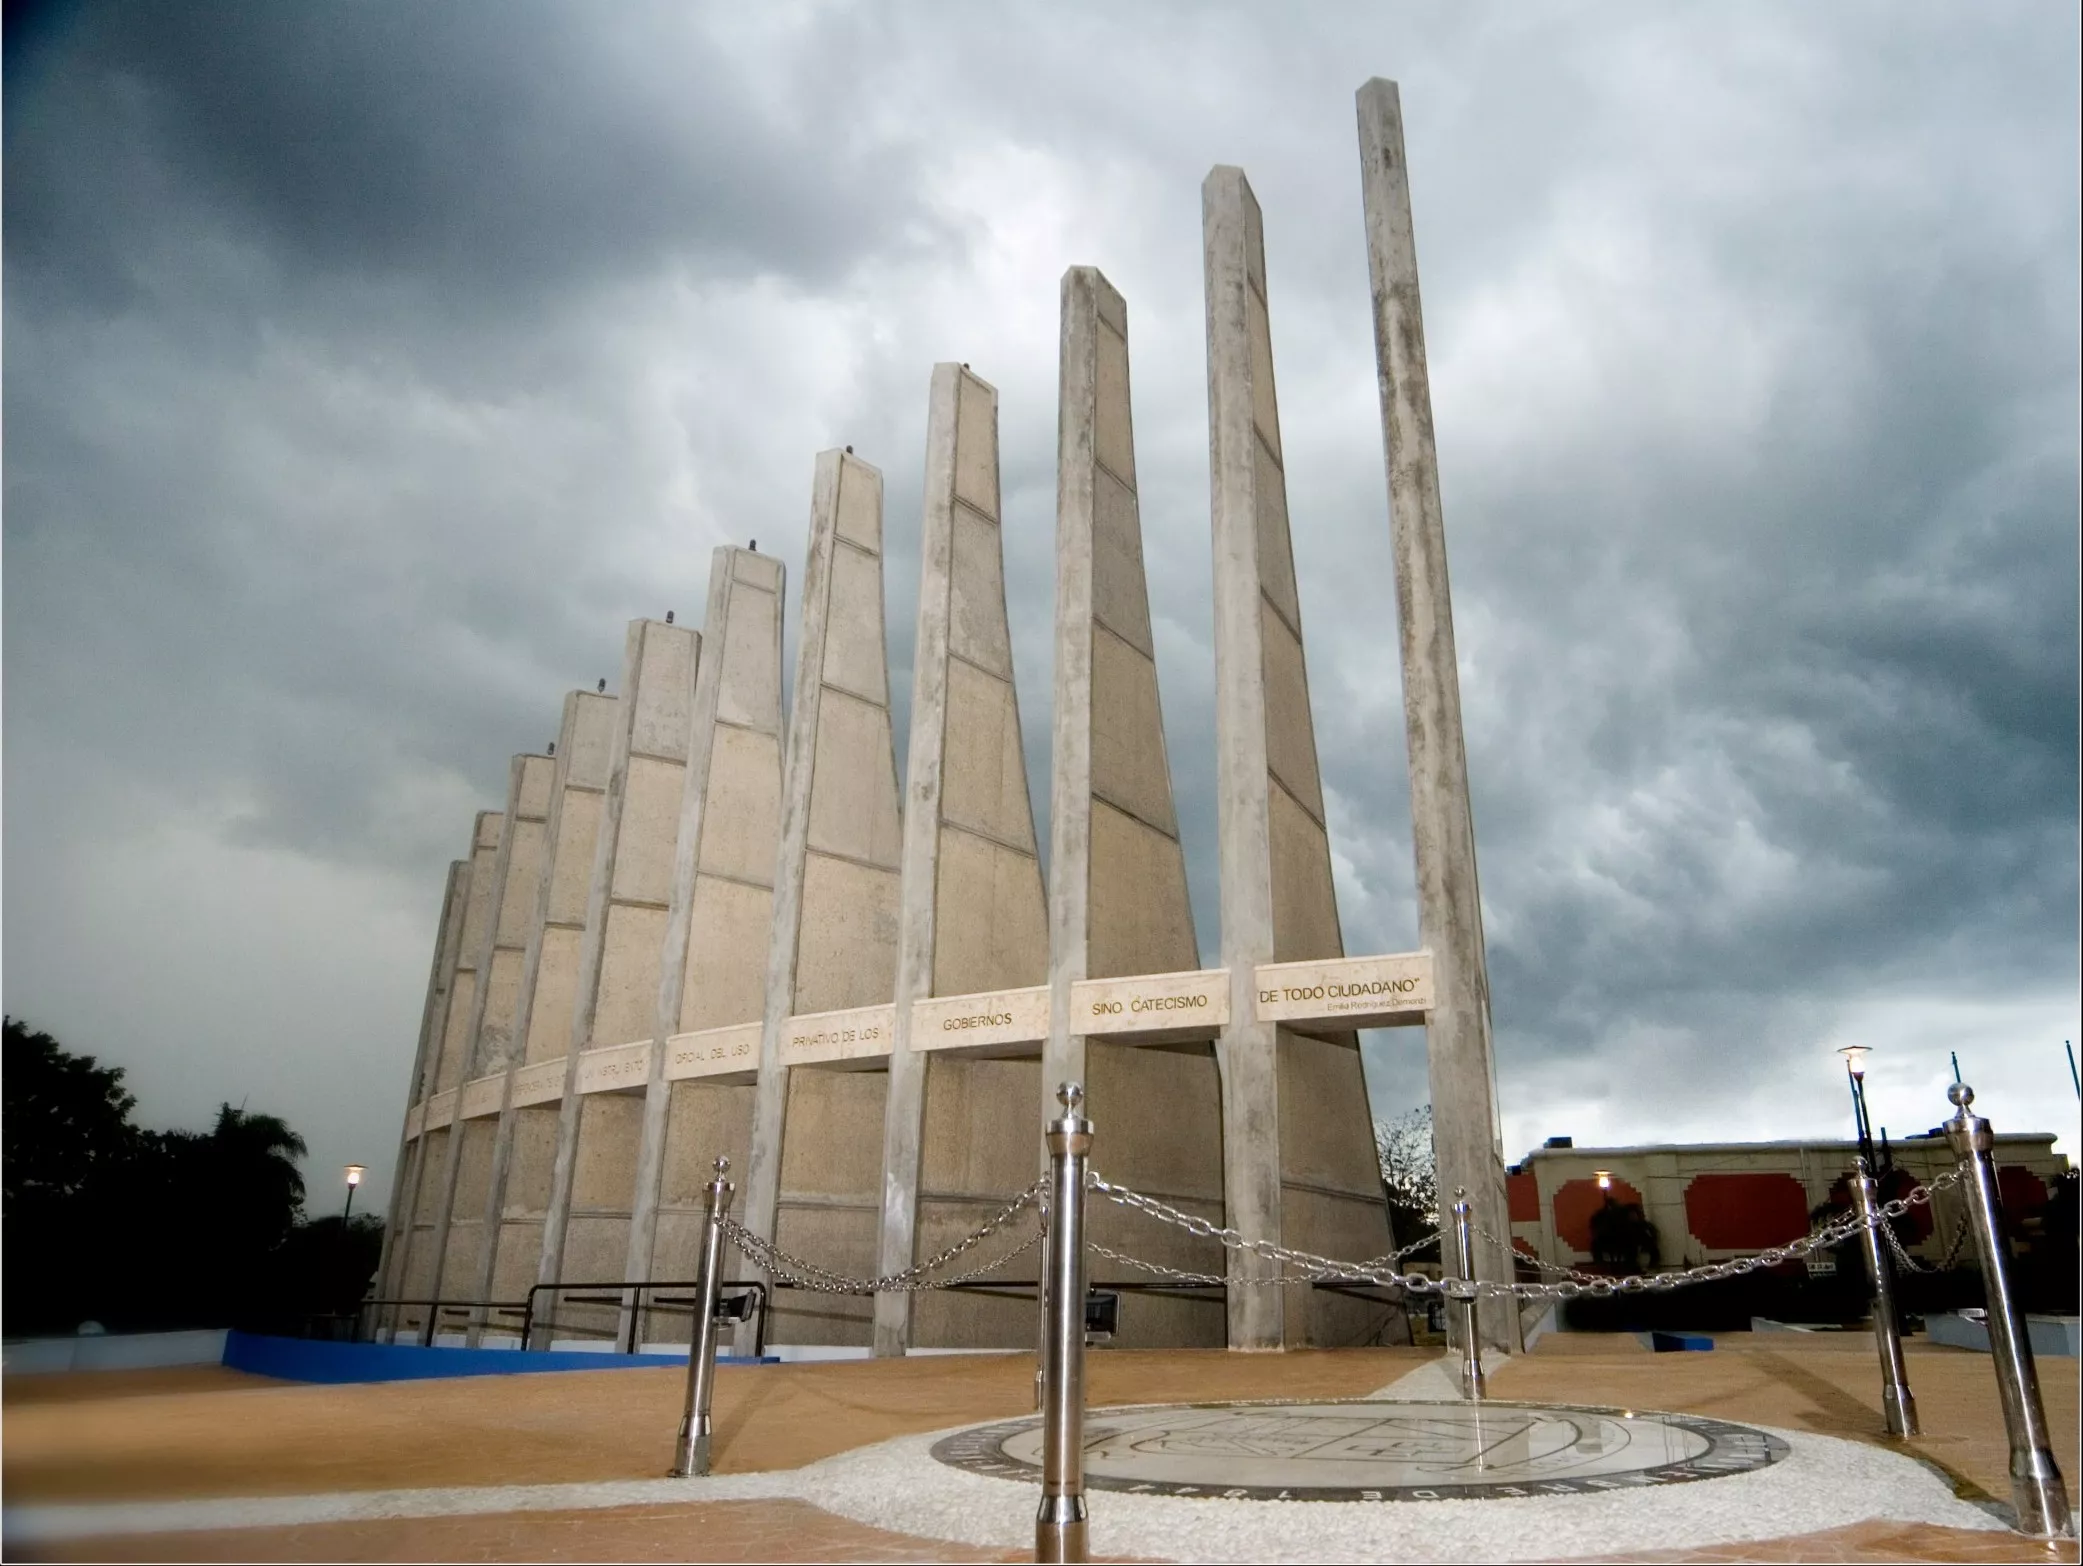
(142, 1229)
(67, 1120)
(1409, 1177)
(250, 1163)
(1622, 1237)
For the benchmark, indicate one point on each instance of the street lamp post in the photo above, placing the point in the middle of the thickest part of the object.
(354, 1173)
(1855, 1069)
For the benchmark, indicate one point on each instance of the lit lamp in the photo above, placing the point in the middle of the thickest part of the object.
(1605, 1181)
(1855, 1069)
(354, 1178)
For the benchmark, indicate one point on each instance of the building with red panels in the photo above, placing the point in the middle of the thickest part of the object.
(1713, 1201)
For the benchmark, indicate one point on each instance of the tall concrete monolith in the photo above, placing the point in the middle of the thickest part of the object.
(1466, 1135)
(422, 1255)
(447, 930)
(712, 970)
(614, 1002)
(812, 1176)
(1297, 1138)
(1118, 902)
(525, 1143)
(459, 1229)
(973, 915)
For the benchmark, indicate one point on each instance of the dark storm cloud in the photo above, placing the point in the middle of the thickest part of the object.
(370, 365)
(483, 152)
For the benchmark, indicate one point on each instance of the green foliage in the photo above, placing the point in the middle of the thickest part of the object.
(144, 1229)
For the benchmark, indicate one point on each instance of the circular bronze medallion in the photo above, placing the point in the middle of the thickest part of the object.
(1376, 1451)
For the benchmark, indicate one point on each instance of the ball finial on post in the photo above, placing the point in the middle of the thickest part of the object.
(722, 1166)
(1960, 1095)
(1070, 1095)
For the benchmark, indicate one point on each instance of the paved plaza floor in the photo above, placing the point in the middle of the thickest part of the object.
(833, 1461)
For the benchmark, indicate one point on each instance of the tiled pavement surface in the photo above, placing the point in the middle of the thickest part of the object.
(1790, 1381)
(1875, 1542)
(205, 1435)
(574, 1426)
(718, 1531)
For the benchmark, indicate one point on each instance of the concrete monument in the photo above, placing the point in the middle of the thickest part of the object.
(973, 921)
(447, 932)
(430, 1121)
(812, 1171)
(712, 969)
(1298, 1142)
(586, 1222)
(516, 875)
(525, 1140)
(1465, 1131)
(691, 936)
(1118, 903)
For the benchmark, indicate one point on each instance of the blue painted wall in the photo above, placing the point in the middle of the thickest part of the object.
(299, 1359)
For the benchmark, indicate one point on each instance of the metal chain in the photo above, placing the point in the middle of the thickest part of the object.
(1177, 1275)
(809, 1275)
(818, 1280)
(1297, 1267)
(1953, 1249)
(1908, 1262)
(1828, 1237)
(1279, 1280)
(1205, 1229)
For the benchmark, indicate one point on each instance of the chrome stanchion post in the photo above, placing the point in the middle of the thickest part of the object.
(1059, 1526)
(1464, 1264)
(1041, 1317)
(2036, 1491)
(1898, 1405)
(691, 1451)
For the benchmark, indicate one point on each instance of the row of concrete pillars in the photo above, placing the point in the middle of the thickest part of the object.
(644, 885)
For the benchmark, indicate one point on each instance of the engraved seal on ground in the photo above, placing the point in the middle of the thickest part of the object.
(1376, 1451)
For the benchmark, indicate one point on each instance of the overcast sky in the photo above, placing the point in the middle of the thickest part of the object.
(368, 366)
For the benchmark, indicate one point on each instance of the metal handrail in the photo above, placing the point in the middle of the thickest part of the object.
(435, 1309)
(629, 1295)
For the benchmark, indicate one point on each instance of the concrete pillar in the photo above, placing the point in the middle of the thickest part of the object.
(456, 892)
(833, 941)
(712, 968)
(524, 1145)
(422, 1255)
(973, 916)
(516, 873)
(1118, 902)
(586, 1226)
(1316, 1186)
(1466, 1136)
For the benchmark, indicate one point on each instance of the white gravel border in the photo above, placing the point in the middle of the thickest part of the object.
(1824, 1482)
